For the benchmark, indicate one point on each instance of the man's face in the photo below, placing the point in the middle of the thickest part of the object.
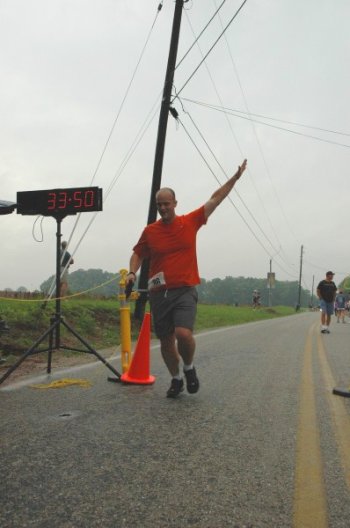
(166, 204)
(329, 276)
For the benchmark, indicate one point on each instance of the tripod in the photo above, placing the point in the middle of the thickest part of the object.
(53, 332)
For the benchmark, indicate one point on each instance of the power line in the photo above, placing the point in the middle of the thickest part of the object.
(235, 190)
(323, 268)
(236, 140)
(294, 123)
(232, 112)
(217, 179)
(229, 198)
(126, 93)
(235, 137)
(131, 150)
(211, 49)
(267, 170)
(200, 34)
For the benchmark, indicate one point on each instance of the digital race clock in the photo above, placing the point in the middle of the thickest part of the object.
(59, 202)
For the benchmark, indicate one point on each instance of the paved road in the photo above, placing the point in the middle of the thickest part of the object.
(264, 443)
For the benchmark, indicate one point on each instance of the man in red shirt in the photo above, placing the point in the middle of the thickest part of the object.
(170, 245)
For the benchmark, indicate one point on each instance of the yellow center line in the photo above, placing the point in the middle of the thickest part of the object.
(339, 413)
(310, 505)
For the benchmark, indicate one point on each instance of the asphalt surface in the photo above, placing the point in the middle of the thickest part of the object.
(116, 455)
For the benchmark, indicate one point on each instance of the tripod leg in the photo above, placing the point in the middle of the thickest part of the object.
(90, 349)
(28, 353)
(49, 356)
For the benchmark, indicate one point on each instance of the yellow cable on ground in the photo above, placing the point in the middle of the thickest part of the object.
(66, 382)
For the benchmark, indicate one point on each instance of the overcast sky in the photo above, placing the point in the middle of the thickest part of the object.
(65, 69)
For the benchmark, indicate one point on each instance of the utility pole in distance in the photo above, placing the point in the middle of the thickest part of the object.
(159, 153)
(270, 284)
(300, 274)
(312, 292)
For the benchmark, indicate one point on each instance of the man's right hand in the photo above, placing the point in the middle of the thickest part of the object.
(131, 277)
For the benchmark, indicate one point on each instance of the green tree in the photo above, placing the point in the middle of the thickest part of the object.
(239, 291)
(99, 282)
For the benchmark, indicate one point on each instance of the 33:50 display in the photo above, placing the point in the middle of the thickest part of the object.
(77, 200)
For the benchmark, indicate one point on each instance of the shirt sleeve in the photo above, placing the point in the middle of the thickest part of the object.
(198, 217)
(141, 248)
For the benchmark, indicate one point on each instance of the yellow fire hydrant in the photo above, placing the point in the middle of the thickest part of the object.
(125, 321)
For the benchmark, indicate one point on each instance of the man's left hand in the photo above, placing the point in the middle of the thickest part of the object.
(241, 169)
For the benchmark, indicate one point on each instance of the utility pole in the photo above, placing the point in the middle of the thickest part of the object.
(300, 274)
(270, 284)
(159, 153)
(312, 292)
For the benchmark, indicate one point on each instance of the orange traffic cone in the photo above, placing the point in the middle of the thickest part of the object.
(138, 372)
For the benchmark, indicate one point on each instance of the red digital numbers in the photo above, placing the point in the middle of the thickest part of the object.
(73, 200)
(62, 200)
(57, 200)
(78, 201)
(89, 199)
(51, 201)
(83, 199)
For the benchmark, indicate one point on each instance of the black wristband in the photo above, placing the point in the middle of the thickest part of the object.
(132, 273)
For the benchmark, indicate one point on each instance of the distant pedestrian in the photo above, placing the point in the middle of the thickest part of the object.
(326, 292)
(340, 303)
(66, 261)
(256, 299)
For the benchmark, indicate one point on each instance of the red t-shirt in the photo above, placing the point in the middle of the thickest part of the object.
(171, 249)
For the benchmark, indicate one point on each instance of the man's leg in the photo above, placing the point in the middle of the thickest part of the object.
(330, 311)
(170, 354)
(177, 308)
(171, 358)
(186, 344)
(185, 349)
(323, 317)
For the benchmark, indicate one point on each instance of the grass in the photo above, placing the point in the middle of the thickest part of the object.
(97, 321)
(212, 316)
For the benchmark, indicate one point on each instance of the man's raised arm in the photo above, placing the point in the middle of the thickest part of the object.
(223, 191)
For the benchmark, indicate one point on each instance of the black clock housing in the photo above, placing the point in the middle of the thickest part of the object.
(59, 202)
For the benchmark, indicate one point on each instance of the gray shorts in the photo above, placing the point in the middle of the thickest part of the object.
(173, 308)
